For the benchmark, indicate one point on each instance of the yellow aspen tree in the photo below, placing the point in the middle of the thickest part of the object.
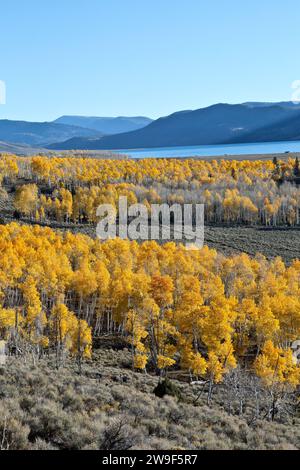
(137, 335)
(35, 318)
(62, 325)
(278, 371)
(265, 322)
(10, 325)
(26, 199)
(82, 342)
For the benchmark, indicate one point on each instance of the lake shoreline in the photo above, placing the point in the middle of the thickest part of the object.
(258, 156)
(227, 151)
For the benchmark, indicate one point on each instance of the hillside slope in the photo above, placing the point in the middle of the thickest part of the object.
(40, 133)
(289, 129)
(19, 149)
(217, 124)
(111, 407)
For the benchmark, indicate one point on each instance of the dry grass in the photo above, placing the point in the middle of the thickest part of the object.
(111, 407)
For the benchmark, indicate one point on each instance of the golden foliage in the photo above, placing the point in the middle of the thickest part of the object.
(198, 309)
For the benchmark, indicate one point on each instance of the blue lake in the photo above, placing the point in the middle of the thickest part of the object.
(214, 150)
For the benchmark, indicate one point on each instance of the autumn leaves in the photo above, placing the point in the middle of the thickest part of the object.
(177, 308)
(71, 189)
(196, 310)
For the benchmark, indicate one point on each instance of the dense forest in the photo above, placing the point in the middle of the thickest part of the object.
(70, 189)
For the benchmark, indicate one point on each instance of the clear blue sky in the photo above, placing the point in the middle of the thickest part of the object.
(144, 57)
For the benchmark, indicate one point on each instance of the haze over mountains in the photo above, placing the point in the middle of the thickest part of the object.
(42, 134)
(217, 124)
(106, 125)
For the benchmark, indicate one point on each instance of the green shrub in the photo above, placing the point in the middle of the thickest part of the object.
(167, 387)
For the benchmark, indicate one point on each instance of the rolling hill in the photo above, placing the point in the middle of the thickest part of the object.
(40, 134)
(6, 147)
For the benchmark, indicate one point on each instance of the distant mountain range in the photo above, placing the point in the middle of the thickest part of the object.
(217, 124)
(282, 104)
(106, 125)
(41, 133)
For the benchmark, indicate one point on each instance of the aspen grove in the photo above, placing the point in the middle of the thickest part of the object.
(193, 309)
(70, 189)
